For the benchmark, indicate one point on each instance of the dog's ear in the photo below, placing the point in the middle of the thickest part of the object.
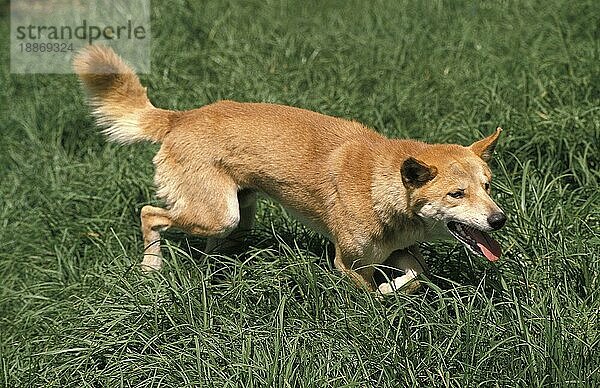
(485, 148)
(416, 173)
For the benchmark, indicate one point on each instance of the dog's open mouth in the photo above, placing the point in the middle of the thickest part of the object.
(478, 242)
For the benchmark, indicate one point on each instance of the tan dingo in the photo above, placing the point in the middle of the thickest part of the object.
(375, 198)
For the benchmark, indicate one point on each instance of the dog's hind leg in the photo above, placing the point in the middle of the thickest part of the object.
(247, 203)
(154, 220)
(411, 262)
(208, 211)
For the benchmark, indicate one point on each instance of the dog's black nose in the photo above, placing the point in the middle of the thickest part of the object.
(497, 220)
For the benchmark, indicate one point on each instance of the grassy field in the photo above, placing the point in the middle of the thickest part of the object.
(75, 311)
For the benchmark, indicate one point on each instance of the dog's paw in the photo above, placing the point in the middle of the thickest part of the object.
(151, 263)
(385, 288)
(405, 284)
(411, 286)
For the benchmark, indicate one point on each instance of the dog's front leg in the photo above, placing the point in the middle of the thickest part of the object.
(356, 269)
(411, 262)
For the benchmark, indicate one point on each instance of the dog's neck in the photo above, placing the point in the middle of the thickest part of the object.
(391, 199)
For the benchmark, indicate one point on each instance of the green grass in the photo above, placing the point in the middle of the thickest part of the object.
(75, 310)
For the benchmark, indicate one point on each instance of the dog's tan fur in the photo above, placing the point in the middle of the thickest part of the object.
(363, 191)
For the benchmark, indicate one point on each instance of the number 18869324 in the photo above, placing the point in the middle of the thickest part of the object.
(49, 47)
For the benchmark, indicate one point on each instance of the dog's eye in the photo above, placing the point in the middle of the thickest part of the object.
(486, 186)
(457, 194)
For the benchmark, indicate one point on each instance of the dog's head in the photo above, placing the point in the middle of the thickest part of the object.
(450, 184)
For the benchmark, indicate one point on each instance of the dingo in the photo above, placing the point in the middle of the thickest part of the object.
(375, 198)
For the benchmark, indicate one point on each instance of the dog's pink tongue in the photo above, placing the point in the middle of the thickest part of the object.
(487, 251)
(490, 247)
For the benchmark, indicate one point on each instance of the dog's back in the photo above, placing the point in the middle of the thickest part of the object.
(279, 150)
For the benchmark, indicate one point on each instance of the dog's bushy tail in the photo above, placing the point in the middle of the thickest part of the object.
(118, 99)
